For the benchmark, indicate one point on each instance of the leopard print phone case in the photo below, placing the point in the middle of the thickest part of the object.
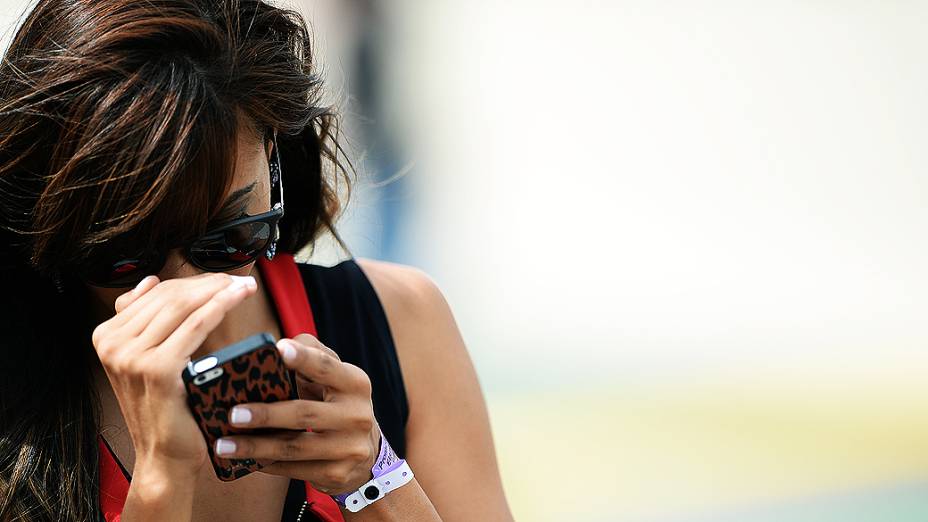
(248, 371)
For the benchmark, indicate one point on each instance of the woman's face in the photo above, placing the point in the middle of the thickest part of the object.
(251, 181)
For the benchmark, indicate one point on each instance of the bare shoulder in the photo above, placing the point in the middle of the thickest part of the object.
(407, 292)
(424, 331)
(428, 342)
(448, 426)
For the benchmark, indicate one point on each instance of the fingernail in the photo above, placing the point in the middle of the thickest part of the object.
(225, 447)
(239, 282)
(287, 350)
(240, 415)
(141, 283)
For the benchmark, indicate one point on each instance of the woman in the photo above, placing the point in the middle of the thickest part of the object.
(130, 132)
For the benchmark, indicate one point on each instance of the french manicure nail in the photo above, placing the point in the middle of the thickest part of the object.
(141, 283)
(243, 282)
(240, 415)
(286, 350)
(225, 447)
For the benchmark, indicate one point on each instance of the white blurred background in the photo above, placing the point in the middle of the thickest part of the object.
(684, 240)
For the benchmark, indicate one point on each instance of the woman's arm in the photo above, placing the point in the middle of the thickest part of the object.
(143, 349)
(159, 493)
(448, 438)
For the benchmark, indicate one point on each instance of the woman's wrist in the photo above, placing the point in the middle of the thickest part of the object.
(158, 466)
(408, 502)
(160, 490)
(386, 462)
(387, 496)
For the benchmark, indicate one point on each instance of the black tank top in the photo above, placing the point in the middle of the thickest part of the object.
(350, 320)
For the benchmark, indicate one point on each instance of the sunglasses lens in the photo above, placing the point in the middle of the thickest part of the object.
(122, 273)
(232, 247)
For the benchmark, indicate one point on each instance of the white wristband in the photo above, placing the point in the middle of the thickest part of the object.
(378, 487)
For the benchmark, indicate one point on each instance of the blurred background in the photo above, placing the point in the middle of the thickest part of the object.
(684, 240)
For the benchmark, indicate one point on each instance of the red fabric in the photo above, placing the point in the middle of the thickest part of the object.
(114, 488)
(282, 279)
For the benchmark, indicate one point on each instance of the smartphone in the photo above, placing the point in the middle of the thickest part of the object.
(250, 370)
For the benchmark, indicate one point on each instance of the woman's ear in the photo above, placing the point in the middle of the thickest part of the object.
(269, 143)
(268, 149)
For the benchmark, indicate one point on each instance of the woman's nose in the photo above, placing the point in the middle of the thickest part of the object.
(177, 266)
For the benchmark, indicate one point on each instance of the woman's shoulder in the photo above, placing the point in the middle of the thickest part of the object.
(405, 292)
(428, 343)
(408, 291)
(419, 318)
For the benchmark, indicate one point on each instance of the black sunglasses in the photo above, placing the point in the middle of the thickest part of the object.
(227, 247)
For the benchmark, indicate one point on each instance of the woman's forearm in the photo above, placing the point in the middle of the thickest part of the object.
(158, 492)
(407, 503)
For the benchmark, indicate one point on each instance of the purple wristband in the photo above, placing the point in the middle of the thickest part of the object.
(386, 462)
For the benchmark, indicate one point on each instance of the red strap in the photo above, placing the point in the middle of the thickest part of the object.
(282, 279)
(114, 488)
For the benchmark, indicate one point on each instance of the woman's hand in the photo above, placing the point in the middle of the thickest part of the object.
(337, 456)
(144, 348)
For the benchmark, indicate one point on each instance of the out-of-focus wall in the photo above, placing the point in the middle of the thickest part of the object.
(684, 243)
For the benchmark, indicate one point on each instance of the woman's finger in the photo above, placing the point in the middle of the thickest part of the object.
(130, 313)
(129, 297)
(315, 364)
(314, 342)
(319, 473)
(186, 301)
(191, 333)
(306, 388)
(295, 414)
(327, 476)
(299, 445)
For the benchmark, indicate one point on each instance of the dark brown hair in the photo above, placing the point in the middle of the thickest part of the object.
(118, 124)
